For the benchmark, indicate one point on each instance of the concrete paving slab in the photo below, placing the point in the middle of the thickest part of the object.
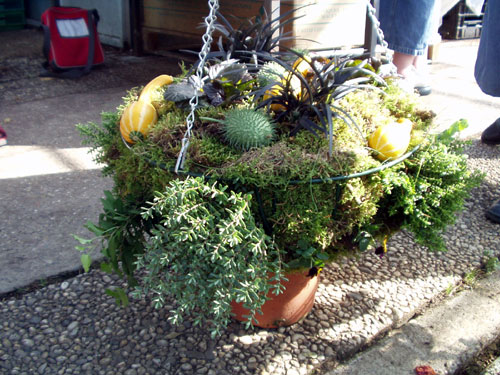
(455, 93)
(49, 184)
(446, 337)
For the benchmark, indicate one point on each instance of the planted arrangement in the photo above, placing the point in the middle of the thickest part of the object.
(294, 159)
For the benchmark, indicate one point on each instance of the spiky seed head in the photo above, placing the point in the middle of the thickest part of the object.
(245, 128)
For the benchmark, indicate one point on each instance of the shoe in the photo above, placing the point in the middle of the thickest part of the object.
(494, 212)
(414, 80)
(420, 82)
(491, 135)
(423, 89)
(3, 137)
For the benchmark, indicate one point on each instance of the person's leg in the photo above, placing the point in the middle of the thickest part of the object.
(488, 79)
(488, 54)
(407, 25)
(403, 62)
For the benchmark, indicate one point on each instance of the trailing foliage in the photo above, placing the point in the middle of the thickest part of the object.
(207, 245)
(425, 196)
(120, 233)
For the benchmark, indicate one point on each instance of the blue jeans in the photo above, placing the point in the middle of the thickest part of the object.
(488, 56)
(407, 24)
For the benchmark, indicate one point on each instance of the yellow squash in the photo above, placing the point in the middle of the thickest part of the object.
(147, 93)
(302, 66)
(273, 91)
(137, 118)
(390, 141)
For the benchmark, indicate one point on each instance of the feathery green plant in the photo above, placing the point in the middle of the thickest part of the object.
(205, 253)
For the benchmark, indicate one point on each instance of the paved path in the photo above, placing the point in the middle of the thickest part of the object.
(444, 337)
(49, 184)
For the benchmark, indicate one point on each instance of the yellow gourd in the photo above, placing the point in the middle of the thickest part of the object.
(137, 118)
(391, 140)
(273, 91)
(149, 90)
(302, 66)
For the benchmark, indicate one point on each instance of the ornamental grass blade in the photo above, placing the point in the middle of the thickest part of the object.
(330, 129)
(305, 123)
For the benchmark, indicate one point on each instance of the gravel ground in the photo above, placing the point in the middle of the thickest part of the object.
(73, 327)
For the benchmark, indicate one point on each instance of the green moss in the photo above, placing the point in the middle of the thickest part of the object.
(208, 151)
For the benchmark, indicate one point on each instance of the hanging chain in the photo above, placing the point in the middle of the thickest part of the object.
(372, 14)
(198, 82)
(202, 56)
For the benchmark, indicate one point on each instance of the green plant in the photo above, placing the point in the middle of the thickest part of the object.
(307, 93)
(205, 252)
(226, 81)
(450, 289)
(425, 192)
(492, 262)
(293, 192)
(120, 234)
(471, 277)
(252, 37)
(307, 257)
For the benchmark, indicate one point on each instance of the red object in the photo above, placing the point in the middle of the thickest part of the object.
(424, 370)
(3, 137)
(71, 37)
(288, 307)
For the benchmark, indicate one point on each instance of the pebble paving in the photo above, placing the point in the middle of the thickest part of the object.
(73, 327)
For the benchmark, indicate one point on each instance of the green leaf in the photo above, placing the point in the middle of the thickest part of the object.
(83, 241)
(121, 298)
(108, 201)
(322, 256)
(179, 92)
(86, 262)
(106, 267)
(93, 228)
(455, 128)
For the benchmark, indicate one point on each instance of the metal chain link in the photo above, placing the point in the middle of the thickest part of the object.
(372, 14)
(202, 56)
(198, 82)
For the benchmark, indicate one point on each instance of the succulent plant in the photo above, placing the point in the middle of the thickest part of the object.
(245, 128)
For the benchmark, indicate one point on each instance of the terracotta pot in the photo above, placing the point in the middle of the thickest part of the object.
(288, 307)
